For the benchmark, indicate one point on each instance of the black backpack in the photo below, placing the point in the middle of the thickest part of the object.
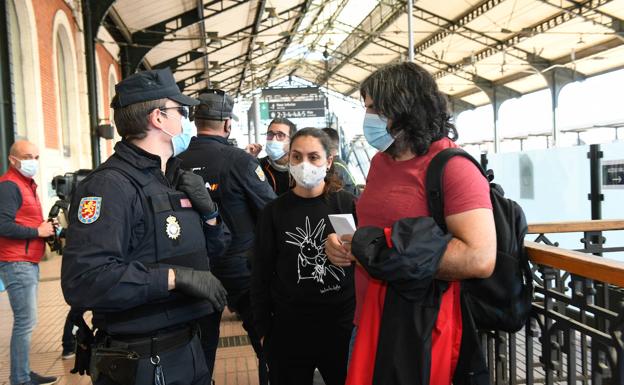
(502, 301)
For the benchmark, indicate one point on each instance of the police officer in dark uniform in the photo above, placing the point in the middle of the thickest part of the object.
(238, 185)
(275, 164)
(340, 167)
(138, 244)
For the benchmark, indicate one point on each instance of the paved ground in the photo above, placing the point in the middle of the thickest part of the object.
(235, 365)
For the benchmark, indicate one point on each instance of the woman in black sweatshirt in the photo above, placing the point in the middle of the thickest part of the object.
(302, 303)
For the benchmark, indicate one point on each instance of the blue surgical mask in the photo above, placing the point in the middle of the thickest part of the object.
(274, 149)
(181, 141)
(29, 167)
(376, 132)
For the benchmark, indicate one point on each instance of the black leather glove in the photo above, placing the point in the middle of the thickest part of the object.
(193, 185)
(84, 341)
(201, 284)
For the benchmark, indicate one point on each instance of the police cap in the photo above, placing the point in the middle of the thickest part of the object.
(149, 85)
(215, 105)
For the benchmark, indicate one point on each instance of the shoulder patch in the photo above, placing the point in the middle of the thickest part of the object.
(260, 173)
(89, 209)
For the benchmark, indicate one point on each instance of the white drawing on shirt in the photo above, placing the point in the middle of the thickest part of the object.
(312, 263)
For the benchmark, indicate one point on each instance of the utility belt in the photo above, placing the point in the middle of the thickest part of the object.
(117, 357)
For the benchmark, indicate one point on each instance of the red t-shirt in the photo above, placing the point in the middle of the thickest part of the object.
(395, 190)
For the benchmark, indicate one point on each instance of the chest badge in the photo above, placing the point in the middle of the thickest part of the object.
(89, 209)
(172, 227)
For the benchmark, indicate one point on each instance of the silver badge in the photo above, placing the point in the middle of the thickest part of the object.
(173, 227)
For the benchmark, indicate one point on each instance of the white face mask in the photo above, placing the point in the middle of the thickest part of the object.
(308, 175)
(28, 167)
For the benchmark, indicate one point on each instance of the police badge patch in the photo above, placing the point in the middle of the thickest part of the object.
(172, 227)
(89, 209)
(260, 173)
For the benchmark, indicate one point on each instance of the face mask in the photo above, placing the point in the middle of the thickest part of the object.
(181, 141)
(274, 149)
(28, 167)
(308, 175)
(376, 132)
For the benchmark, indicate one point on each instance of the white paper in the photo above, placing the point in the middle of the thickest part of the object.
(342, 223)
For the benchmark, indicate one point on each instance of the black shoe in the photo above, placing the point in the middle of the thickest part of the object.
(68, 354)
(36, 379)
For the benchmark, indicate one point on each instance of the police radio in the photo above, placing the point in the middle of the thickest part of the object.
(64, 186)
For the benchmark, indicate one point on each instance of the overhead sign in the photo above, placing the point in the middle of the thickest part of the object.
(289, 92)
(297, 109)
(613, 174)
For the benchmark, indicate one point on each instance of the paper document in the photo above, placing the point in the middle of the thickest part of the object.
(342, 223)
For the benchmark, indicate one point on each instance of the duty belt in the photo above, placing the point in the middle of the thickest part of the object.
(158, 343)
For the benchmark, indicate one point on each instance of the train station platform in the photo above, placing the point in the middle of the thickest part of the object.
(235, 364)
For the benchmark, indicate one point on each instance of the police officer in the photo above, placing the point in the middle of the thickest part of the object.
(275, 164)
(138, 244)
(238, 185)
(340, 167)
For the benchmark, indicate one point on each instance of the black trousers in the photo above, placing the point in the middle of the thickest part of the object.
(68, 339)
(182, 366)
(296, 346)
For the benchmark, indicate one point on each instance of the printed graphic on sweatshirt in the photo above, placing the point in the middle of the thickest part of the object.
(312, 263)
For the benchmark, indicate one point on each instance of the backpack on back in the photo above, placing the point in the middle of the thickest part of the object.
(502, 301)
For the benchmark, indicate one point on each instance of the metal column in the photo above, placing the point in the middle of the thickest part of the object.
(256, 116)
(410, 31)
(89, 38)
(7, 133)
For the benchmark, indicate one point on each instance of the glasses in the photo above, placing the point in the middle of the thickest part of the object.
(182, 110)
(276, 134)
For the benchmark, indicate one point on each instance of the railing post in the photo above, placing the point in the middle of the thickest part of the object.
(484, 160)
(595, 195)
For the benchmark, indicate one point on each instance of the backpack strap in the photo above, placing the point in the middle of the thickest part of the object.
(433, 181)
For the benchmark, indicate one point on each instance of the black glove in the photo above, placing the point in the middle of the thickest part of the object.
(193, 185)
(84, 341)
(201, 284)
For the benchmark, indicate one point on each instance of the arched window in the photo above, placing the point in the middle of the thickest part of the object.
(63, 78)
(112, 81)
(17, 74)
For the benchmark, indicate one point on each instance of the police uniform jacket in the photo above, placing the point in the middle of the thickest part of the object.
(128, 226)
(236, 183)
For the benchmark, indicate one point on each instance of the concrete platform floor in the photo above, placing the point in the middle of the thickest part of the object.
(235, 365)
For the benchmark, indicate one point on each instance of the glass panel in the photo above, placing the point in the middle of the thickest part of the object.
(552, 185)
(63, 92)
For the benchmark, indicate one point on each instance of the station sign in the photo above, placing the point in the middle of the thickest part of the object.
(292, 110)
(613, 174)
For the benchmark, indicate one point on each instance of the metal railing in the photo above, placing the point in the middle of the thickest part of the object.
(575, 334)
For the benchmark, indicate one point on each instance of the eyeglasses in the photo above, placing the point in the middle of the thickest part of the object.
(276, 134)
(182, 110)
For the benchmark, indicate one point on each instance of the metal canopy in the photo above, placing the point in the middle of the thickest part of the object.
(469, 46)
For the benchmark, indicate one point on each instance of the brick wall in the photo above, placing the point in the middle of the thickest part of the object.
(45, 10)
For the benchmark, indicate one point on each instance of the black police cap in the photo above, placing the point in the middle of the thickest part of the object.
(149, 85)
(215, 105)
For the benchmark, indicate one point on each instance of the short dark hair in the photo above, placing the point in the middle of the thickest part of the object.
(332, 182)
(292, 126)
(408, 95)
(333, 137)
(131, 120)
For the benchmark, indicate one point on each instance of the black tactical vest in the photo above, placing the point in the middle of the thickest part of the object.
(213, 161)
(173, 237)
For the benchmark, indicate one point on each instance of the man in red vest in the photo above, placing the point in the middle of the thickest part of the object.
(22, 233)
